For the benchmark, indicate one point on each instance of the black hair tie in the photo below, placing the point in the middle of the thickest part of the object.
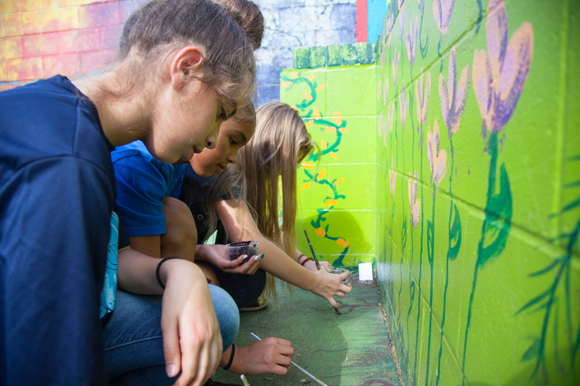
(159, 267)
(231, 357)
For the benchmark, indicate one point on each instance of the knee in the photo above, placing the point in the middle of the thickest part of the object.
(227, 314)
(181, 229)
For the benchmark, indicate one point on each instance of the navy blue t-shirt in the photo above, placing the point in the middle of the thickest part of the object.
(57, 194)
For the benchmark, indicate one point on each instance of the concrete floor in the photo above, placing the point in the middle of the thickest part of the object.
(352, 349)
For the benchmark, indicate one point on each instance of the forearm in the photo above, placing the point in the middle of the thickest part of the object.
(136, 272)
(279, 264)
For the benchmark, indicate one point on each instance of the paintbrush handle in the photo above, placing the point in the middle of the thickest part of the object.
(312, 250)
(299, 368)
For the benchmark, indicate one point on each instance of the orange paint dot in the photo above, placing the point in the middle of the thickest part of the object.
(323, 144)
(333, 155)
(321, 87)
(339, 181)
(320, 175)
(330, 130)
(305, 186)
(337, 118)
(307, 96)
(330, 202)
(286, 84)
(309, 124)
(316, 113)
(342, 242)
(311, 76)
(343, 130)
(308, 165)
(294, 75)
(320, 232)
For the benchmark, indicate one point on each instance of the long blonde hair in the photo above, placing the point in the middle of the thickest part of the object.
(279, 143)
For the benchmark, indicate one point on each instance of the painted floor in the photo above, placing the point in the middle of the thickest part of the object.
(352, 349)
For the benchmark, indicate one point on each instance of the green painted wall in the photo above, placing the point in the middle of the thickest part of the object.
(461, 168)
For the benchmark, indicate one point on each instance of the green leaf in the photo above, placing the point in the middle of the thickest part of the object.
(496, 227)
(548, 268)
(534, 301)
(404, 234)
(430, 241)
(533, 351)
(455, 235)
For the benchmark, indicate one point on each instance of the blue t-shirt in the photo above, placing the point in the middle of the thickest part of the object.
(194, 192)
(143, 182)
(57, 194)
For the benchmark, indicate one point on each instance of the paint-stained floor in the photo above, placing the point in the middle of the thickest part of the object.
(352, 349)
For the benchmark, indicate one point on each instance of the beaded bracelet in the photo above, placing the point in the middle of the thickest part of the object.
(306, 261)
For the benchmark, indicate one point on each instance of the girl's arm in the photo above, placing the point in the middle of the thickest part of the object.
(192, 342)
(308, 262)
(275, 260)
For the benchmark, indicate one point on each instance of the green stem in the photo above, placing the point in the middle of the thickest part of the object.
(446, 264)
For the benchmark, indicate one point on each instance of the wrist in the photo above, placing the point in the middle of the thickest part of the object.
(172, 270)
(201, 251)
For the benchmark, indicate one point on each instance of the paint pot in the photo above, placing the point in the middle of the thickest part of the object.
(249, 248)
(338, 271)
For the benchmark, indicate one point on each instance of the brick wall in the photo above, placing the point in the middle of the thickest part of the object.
(41, 38)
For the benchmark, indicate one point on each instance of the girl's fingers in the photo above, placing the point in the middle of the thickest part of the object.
(171, 349)
(190, 365)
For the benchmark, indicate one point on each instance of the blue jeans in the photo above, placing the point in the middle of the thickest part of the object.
(133, 339)
(245, 289)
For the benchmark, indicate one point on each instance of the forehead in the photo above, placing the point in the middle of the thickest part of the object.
(231, 127)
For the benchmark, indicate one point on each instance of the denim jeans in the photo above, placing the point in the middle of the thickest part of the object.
(245, 289)
(133, 339)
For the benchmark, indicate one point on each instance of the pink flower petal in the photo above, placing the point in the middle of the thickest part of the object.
(514, 71)
(482, 84)
(497, 30)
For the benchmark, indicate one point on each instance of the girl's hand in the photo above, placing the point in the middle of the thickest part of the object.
(329, 285)
(311, 265)
(266, 356)
(192, 342)
(218, 255)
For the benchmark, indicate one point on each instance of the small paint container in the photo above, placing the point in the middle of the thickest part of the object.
(240, 248)
(338, 271)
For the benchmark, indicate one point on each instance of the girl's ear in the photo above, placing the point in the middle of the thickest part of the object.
(185, 63)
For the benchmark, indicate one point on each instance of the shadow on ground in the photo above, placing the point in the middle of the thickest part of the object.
(351, 349)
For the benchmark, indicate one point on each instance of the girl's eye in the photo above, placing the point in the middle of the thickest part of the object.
(223, 116)
(233, 142)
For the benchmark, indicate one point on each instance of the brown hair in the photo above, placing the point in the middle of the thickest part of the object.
(223, 185)
(248, 16)
(162, 25)
(280, 142)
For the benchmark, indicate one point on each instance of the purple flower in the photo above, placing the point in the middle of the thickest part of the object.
(499, 75)
(412, 41)
(437, 157)
(403, 106)
(453, 96)
(442, 10)
(396, 58)
(413, 202)
(422, 92)
(386, 90)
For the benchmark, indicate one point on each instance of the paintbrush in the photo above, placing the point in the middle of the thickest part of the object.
(317, 263)
(299, 368)
(243, 378)
(312, 249)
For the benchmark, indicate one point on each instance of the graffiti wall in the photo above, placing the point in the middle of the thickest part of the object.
(41, 38)
(475, 186)
(337, 188)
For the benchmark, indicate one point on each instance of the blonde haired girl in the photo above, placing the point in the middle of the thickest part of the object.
(279, 143)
